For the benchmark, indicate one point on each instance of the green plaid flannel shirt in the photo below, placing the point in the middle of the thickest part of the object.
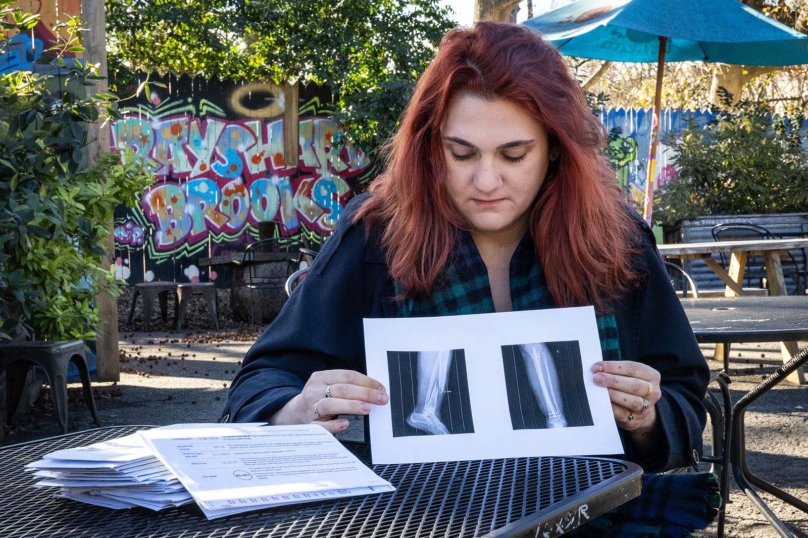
(463, 288)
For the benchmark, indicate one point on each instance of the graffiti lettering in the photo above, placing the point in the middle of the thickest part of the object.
(188, 212)
(564, 523)
(236, 174)
(217, 152)
(21, 51)
(129, 234)
(187, 147)
(20, 54)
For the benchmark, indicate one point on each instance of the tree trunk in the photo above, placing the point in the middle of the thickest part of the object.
(494, 10)
(98, 136)
(733, 78)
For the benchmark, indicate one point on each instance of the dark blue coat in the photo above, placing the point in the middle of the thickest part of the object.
(320, 328)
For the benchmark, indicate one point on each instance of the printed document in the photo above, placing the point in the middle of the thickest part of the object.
(233, 468)
(485, 386)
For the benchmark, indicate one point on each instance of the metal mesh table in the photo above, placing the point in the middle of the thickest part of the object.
(511, 497)
(748, 319)
(753, 319)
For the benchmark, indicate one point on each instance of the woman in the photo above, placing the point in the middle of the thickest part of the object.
(496, 197)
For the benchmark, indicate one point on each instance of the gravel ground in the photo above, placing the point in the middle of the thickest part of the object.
(170, 378)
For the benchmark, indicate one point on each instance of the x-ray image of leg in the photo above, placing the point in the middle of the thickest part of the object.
(433, 379)
(543, 378)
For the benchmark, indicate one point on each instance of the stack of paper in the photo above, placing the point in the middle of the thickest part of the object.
(122, 473)
(225, 468)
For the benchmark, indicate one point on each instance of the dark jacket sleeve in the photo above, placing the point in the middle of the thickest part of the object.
(319, 327)
(654, 330)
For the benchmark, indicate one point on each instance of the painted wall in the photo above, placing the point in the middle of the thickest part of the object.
(24, 49)
(216, 149)
(628, 147)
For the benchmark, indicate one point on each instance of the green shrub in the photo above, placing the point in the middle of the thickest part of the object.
(54, 210)
(748, 161)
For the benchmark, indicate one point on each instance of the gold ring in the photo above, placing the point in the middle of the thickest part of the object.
(650, 389)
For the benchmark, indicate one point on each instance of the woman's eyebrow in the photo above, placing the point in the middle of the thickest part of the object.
(514, 144)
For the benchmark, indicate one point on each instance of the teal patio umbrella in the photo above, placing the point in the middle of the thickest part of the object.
(720, 31)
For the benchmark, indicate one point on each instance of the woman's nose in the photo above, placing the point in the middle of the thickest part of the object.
(486, 176)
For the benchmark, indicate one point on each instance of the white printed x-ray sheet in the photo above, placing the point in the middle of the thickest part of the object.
(485, 386)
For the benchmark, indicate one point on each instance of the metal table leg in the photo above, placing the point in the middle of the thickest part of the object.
(721, 420)
(743, 476)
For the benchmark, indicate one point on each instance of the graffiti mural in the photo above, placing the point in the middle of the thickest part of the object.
(217, 152)
(23, 50)
(627, 149)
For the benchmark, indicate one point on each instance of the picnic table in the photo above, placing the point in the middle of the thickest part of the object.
(547, 496)
(770, 249)
(752, 319)
(738, 251)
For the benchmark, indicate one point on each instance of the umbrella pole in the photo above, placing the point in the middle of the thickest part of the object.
(652, 148)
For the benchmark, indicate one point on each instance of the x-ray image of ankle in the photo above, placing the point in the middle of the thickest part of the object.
(543, 378)
(433, 379)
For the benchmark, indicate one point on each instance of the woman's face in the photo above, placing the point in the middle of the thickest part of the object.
(497, 157)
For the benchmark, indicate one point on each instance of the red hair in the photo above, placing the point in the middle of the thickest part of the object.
(585, 238)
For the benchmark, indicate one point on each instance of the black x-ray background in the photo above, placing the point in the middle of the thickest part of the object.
(455, 410)
(522, 403)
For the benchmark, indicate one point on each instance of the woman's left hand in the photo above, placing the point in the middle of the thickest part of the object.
(634, 391)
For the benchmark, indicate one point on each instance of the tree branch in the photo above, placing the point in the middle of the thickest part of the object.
(597, 75)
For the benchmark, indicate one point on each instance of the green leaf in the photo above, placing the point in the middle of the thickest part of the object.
(39, 232)
(18, 294)
(77, 131)
(28, 22)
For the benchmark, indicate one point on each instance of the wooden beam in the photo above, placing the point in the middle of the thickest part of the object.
(737, 267)
(95, 44)
(291, 125)
(718, 270)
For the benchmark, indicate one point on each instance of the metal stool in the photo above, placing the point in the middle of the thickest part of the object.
(53, 358)
(150, 291)
(184, 292)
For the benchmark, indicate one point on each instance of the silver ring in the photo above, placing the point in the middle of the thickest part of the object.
(315, 409)
(328, 391)
(645, 405)
(630, 415)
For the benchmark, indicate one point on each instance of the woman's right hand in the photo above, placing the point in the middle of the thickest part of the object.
(349, 393)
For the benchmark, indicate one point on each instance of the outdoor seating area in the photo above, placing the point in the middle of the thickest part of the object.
(457, 268)
(177, 390)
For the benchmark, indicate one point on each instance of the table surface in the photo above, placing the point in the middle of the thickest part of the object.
(510, 497)
(748, 319)
(236, 258)
(709, 247)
